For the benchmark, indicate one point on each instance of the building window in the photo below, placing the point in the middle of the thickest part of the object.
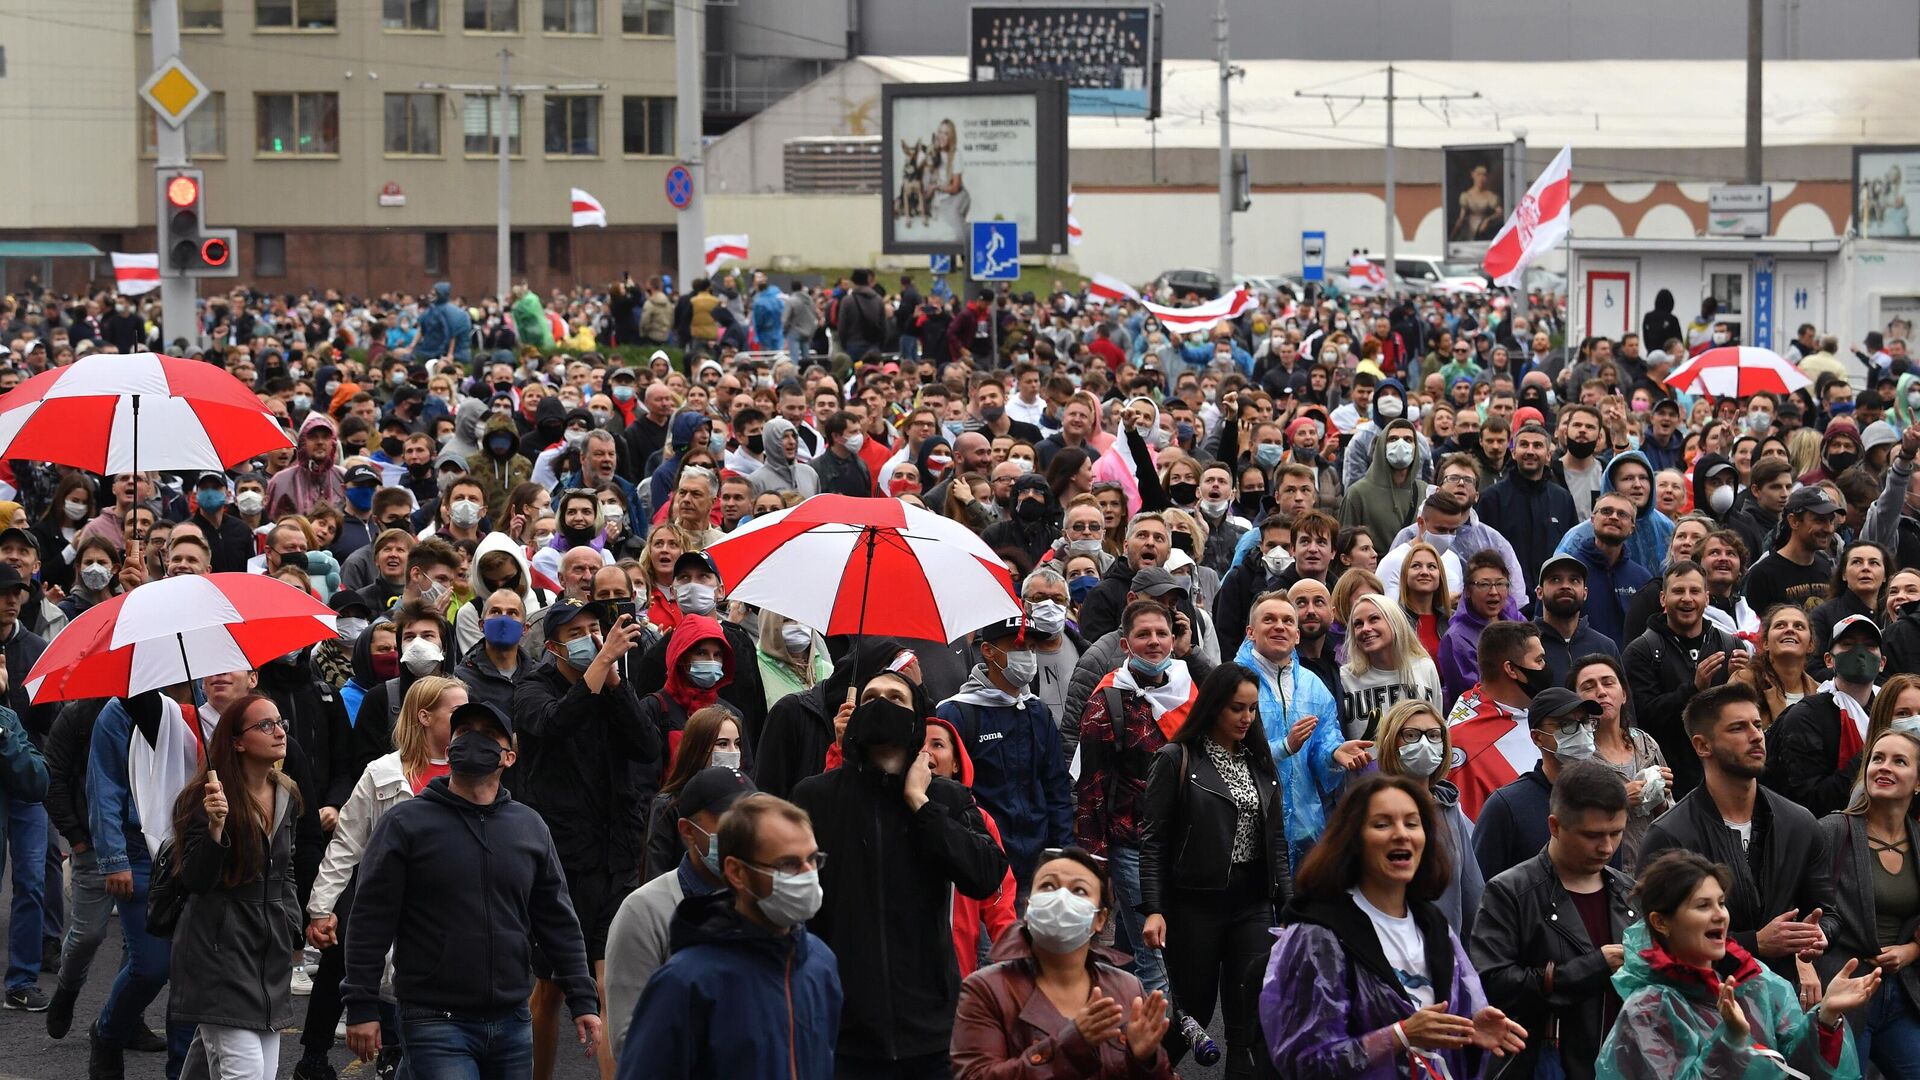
(413, 124)
(270, 254)
(206, 129)
(295, 125)
(296, 14)
(410, 14)
(493, 16)
(646, 126)
(436, 260)
(570, 16)
(480, 121)
(560, 251)
(652, 17)
(517, 253)
(200, 15)
(573, 125)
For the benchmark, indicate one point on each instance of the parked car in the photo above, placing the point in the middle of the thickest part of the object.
(1202, 283)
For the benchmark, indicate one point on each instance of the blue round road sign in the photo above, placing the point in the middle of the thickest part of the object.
(679, 187)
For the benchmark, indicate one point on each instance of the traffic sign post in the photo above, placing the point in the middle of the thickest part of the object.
(994, 254)
(1313, 256)
(679, 187)
(940, 264)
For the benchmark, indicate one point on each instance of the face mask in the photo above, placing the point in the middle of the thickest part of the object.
(1721, 499)
(600, 417)
(500, 446)
(1214, 507)
(1277, 560)
(1420, 758)
(1049, 617)
(1150, 669)
(1908, 724)
(1390, 407)
(95, 576)
(434, 592)
(694, 598)
(1719, 339)
(1574, 745)
(1400, 454)
(76, 511)
(360, 498)
(581, 651)
(503, 631)
(724, 759)
(349, 628)
(1442, 543)
(854, 442)
(251, 502)
(953, 429)
(465, 513)
(1759, 420)
(797, 638)
(1020, 667)
(1060, 922)
(795, 898)
(1268, 454)
(392, 446)
(1079, 587)
(421, 656)
(1839, 463)
(992, 413)
(1913, 399)
(623, 393)
(613, 515)
(756, 445)
(1535, 680)
(474, 754)
(576, 438)
(1030, 510)
(705, 673)
(1859, 666)
(1582, 448)
(1183, 493)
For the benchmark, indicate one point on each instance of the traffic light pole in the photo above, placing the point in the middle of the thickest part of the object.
(178, 292)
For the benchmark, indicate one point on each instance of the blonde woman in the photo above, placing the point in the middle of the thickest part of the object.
(1423, 594)
(1386, 664)
(1803, 450)
(420, 738)
(1414, 742)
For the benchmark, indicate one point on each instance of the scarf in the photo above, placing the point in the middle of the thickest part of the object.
(158, 771)
(1853, 735)
(1169, 701)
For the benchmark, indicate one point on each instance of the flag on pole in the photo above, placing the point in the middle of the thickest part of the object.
(1073, 225)
(587, 210)
(721, 249)
(1539, 222)
(1111, 289)
(135, 274)
(1364, 273)
(1201, 317)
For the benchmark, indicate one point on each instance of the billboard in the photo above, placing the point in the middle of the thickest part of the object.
(963, 152)
(1109, 57)
(1886, 181)
(1474, 197)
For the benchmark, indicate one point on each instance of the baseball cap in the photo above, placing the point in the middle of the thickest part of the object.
(1856, 622)
(19, 536)
(713, 789)
(1812, 499)
(697, 561)
(346, 600)
(1154, 581)
(560, 613)
(1002, 629)
(481, 712)
(212, 479)
(365, 475)
(1666, 403)
(1563, 558)
(621, 373)
(11, 579)
(1557, 701)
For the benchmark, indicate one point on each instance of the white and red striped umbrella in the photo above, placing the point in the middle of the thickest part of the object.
(189, 415)
(847, 565)
(174, 630)
(1737, 371)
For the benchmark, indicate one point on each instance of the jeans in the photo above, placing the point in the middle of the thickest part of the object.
(144, 967)
(909, 349)
(1887, 1032)
(87, 919)
(26, 837)
(441, 1046)
(1218, 940)
(1123, 868)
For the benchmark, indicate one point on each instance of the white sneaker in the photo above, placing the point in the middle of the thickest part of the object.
(302, 982)
(340, 1029)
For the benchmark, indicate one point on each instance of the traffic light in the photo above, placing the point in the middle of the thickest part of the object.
(186, 245)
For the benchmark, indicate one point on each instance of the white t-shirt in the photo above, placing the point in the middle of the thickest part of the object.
(1744, 828)
(1406, 949)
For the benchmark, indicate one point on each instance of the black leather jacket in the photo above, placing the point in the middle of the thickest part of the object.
(1187, 833)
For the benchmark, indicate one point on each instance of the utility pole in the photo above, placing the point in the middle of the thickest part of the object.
(1226, 148)
(178, 292)
(1391, 98)
(504, 99)
(689, 24)
(1754, 47)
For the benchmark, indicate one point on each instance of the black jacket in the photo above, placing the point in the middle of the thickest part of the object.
(317, 720)
(1100, 611)
(888, 913)
(22, 650)
(1660, 677)
(233, 948)
(232, 542)
(1527, 922)
(585, 760)
(793, 744)
(1233, 603)
(68, 747)
(1532, 514)
(1803, 756)
(1785, 868)
(1186, 839)
(484, 680)
(1901, 642)
(1853, 872)
(466, 951)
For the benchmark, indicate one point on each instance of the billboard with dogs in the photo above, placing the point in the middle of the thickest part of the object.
(963, 152)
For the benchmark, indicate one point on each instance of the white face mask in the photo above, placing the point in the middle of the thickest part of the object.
(1420, 758)
(694, 598)
(1049, 617)
(76, 511)
(249, 502)
(421, 656)
(95, 576)
(797, 638)
(724, 759)
(794, 899)
(465, 513)
(1390, 406)
(855, 441)
(1059, 921)
(1400, 454)
(349, 627)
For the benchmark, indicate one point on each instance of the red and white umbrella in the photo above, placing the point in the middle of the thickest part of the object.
(109, 413)
(846, 565)
(1737, 371)
(174, 630)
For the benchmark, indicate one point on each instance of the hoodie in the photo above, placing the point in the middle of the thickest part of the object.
(308, 480)
(996, 911)
(444, 328)
(1359, 445)
(794, 742)
(1659, 326)
(1379, 505)
(1022, 776)
(499, 473)
(467, 629)
(468, 421)
(1647, 546)
(667, 473)
(777, 472)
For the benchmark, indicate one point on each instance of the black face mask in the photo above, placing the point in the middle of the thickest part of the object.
(1183, 493)
(1030, 510)
(1841, 462)
(474, 754)
(393, 444)
(577, 537)
(1181, 542)
(882, 723)
(1537, 680)
(1581, 448)
(756, 445)
(420, 468)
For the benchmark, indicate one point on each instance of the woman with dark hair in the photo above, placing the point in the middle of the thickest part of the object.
(1859, 587)
(1070, 473)
(711, 738)
(1368, 980)
(1213, 857)
(1699, 1005)
(233, 946)
(1354, 548)
(72, 505)
(1625, 748)
(1054, 1003)
(525, 504)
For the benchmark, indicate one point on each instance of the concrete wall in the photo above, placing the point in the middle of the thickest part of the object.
(750, 158)
(67, 107)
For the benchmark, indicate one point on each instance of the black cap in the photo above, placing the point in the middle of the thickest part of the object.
(1154, 581)
(1812, 499)
(345, 600)
(713, 789)
(560, 613)
(1556, 702)
(1002, 629)
(696, 561)
(22, 536)
(481, 712)
(10, 578)
(1666, 403)
(363, 475)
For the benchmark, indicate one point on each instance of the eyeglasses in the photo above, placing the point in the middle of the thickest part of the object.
(1612, 512)
(1047, 854)
(818, 861)
(1489, 586)
(1588, 723)
(1409, 736)
(275, 724)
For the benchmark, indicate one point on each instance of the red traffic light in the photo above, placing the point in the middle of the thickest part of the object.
(214, 251)
(183, 191)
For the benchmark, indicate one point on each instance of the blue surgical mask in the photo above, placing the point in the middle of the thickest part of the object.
(1150, 669)
(623, 393)
(953, 429)
(705, 673)
(302, 402)
(504, 631)
(212, 499)
(360, 498)
(712, 857)
(1268, 454)
(717, 443)
(1079, 587)
(581, 651)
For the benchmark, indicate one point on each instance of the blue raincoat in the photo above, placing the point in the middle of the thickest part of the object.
(1310, 782)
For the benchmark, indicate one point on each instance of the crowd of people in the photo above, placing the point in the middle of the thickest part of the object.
(1417, 692)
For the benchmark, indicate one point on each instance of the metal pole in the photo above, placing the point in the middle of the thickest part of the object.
(1393, 226)
(1754, 46)
(1226, 147)
(178, 317)
(503, 219)
(689, 20)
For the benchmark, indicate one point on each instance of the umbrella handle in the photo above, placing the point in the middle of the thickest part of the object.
(193, 721)
(136, 488)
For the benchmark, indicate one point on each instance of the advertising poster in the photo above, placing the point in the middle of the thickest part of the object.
(1886, 181)
(993, 152)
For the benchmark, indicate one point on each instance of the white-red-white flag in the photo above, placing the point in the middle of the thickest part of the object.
(135, 274)
(1201, 317)
(1111, 289)
(1491, 748)
(587, 210)
(721, 249)
(1073, 225)
(1364, 273)
(1540, 221)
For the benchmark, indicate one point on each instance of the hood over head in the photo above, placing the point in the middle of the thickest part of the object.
(316, 421)
(773, 438)
(442, 291)
(684, 425)
(963, 773)
(690, 631)
(1704, 467)
(1384, 387)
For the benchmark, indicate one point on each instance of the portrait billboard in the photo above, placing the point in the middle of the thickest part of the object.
(1474, 197)
(1886, 181)
(963, 152)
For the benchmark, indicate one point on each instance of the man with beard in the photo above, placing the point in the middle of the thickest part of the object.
(1680, 655)
(1724, 555)
(1313, 607)
(1612, 578)
(1527, 507)
(1782, 901)
(1580, 469)
(1564, 633)
(1799, 571)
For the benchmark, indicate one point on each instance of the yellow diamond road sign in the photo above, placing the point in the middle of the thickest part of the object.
(174, 92)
